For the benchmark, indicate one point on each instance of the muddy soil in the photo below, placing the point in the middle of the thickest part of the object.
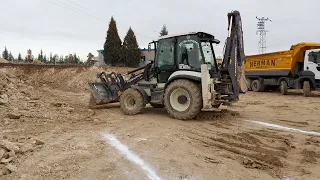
(47, 132)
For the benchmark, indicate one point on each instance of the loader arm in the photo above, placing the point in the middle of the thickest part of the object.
(234, 56)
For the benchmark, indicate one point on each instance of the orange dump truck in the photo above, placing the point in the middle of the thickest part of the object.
(297, 68)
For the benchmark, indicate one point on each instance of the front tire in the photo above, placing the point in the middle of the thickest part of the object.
(183, 99)
(132, 102)
(306, 89)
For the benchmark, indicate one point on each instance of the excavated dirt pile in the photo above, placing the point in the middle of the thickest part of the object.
(15, 94)
(70, 79)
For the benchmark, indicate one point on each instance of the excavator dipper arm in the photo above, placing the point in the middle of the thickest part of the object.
(234, 56)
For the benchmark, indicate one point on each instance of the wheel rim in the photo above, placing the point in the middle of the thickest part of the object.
(255, 85)
(180, 99)
(130, 102)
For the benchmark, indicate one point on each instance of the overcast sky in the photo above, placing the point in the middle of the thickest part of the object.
(62, 27)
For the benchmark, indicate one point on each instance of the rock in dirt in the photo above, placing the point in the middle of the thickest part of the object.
(9, 146)
(37, 142)
(34, 97)
(2, 153)
(5, 161)
(26, 148)
(6, 155)
(11, 168)
(4, 170)
(14, 115)
(12, 154)
(4, 99)
(69, 109)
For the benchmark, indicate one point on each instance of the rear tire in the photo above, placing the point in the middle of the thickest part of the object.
(306, 89)
(257, 86)
(132, 102)
(183, 99)
(284, 88)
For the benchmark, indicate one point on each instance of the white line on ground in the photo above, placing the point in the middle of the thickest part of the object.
(113, 141)
(285, 128)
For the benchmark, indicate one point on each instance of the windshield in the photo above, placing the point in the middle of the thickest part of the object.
(314, 57)
(207, 53)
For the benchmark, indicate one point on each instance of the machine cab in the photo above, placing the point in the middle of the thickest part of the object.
(184, 52)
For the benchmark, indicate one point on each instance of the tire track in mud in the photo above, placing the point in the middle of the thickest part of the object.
(250, 149)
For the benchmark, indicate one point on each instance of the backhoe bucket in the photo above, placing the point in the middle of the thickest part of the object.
(101, 94)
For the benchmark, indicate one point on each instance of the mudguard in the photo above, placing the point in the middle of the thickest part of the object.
(143, 92)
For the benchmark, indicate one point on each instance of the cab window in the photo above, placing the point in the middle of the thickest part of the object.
(189, 52)
(314, 57)
(165, 53)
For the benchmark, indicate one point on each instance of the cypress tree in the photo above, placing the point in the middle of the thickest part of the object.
(131, 50)
(112, 45)
(5, 54)
(11, 58)
(45, 58)
(19, 57)
(164, 31)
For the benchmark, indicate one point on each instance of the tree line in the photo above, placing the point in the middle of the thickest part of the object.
(42, 58)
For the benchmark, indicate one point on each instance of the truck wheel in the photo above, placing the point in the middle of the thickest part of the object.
(306, 89)
(132, 102)
(154, 105)
(257, 86)
(284, 87)
(183, 99)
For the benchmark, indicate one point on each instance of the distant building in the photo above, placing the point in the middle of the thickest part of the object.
(145, 57)
(99, 59)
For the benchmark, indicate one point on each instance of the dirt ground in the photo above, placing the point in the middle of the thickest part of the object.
(47, 132)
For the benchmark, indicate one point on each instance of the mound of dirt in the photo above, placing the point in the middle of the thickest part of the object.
(71, 79)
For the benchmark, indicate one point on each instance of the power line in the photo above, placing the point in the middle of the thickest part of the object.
(63, 4)
(93, 14)
(83, 7)
(262, 45)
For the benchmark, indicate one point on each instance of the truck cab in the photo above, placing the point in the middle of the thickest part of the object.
(312, 63)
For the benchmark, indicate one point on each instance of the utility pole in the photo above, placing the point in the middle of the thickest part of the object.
(262, 46)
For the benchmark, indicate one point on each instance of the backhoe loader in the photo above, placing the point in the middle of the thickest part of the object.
(184, 77)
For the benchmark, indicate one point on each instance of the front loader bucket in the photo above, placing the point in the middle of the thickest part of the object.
(101, 94)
